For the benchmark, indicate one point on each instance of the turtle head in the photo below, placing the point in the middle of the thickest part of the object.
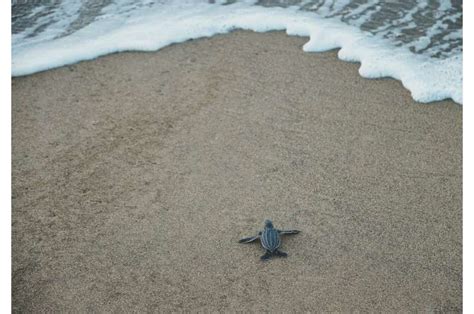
(268, 223)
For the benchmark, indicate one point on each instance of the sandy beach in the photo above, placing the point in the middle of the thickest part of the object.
(135, 175)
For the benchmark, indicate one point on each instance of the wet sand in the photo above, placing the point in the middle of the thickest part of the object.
(135, 175)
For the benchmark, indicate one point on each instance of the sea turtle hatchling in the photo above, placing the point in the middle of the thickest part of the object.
(270, 240)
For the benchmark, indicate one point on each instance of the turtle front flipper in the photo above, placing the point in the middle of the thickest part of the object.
(266, 256)
(249, 239)
(288, 231)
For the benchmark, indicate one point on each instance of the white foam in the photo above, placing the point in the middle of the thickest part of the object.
(152, 27)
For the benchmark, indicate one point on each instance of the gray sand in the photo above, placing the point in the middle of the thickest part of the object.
(135, 175)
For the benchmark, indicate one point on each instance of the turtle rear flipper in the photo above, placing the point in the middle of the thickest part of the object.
(266, 256)
(281, 253)
(249, 239)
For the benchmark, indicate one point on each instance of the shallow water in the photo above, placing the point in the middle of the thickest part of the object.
(432, 28)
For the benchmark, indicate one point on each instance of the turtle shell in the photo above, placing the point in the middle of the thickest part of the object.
(270, 239)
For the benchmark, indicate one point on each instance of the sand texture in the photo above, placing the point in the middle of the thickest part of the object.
(135, 175)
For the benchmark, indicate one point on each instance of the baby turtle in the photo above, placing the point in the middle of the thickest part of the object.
(270, 240)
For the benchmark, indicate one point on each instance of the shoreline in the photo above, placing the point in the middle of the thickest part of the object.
(135, 174)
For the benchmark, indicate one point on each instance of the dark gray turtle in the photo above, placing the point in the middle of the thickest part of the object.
(270, 240)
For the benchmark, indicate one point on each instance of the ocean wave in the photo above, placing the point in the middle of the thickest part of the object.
(124, 25)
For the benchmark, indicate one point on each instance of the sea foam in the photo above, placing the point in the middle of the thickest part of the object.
(150, 28)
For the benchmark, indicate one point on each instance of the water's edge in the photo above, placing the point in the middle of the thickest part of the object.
(427, 79)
